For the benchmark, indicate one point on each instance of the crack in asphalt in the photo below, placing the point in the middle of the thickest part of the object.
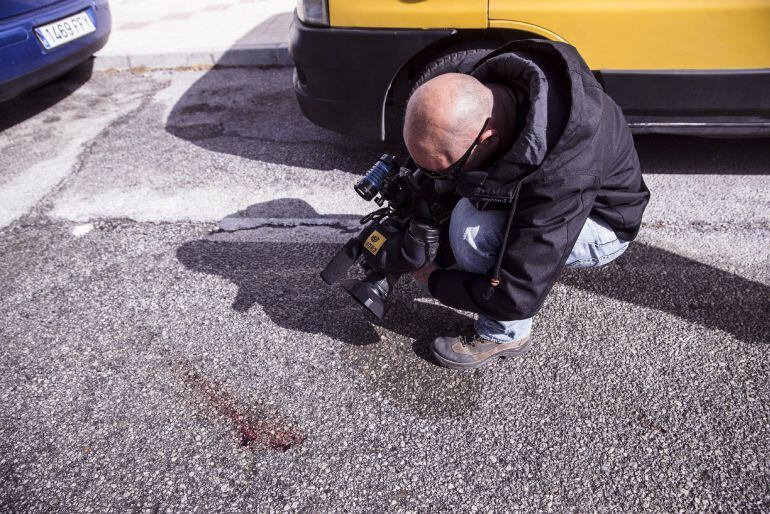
(45, 204)
(339, 226)
(345, 225)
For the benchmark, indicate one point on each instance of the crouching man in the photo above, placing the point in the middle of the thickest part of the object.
(548, 177)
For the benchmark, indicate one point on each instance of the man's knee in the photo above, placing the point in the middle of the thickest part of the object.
(475, 236)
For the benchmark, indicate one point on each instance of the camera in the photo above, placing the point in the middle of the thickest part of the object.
(399, 237)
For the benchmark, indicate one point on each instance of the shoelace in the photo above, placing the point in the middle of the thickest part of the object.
(470, 340)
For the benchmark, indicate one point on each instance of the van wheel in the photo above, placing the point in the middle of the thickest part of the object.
(447, 63)
(443, 63)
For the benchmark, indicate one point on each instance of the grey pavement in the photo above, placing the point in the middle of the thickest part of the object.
(151, 361)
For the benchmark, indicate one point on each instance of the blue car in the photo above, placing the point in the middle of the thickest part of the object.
(42, 39)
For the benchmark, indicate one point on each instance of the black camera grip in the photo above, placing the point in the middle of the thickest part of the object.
(428, 233)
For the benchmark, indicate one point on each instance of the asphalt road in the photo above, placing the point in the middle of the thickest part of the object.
(151, 361)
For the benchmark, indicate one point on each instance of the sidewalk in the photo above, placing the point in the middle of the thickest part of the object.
(176, 33)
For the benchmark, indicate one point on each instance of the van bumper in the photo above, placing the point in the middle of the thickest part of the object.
(342, 75)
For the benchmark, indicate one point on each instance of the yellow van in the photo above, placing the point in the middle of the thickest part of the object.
(674, 66)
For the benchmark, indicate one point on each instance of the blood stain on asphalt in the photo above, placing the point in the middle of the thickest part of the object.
(254, 432)
(645, 422)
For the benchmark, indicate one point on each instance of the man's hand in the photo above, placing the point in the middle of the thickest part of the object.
(423, 274)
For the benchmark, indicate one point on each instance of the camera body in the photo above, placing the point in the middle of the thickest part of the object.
(399, 237)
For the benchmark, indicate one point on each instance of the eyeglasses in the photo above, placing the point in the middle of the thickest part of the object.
(454, 170)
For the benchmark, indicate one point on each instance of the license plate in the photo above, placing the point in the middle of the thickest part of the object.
(65, 30)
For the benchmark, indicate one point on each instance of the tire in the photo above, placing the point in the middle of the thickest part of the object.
(446, 62)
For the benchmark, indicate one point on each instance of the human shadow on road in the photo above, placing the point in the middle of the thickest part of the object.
(32, 103)
(283, 279)
(295, 209)
(654, 278)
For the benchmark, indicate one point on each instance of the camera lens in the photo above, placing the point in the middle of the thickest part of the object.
(370, 184)
(366, 189)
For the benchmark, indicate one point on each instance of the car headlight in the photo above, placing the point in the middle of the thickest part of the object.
(313, 12)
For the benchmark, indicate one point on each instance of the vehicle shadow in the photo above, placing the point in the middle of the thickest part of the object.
(252, 112)
(32, 103)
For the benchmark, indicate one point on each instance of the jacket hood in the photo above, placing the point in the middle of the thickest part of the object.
(524, 68)
(531, 146)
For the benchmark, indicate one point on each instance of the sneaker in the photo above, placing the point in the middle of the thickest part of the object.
(473, 351)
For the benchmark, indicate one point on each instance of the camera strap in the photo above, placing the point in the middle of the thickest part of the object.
(375, 215)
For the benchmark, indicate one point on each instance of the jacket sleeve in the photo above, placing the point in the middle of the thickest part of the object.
(546, 224)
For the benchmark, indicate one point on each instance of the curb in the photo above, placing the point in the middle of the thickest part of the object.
(238, 55)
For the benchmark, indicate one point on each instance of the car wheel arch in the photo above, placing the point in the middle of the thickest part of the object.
(402, 84)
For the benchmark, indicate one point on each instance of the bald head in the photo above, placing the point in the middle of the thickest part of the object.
(443, 117)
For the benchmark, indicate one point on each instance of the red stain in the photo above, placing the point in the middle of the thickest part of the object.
(253, 431)
(647, 423)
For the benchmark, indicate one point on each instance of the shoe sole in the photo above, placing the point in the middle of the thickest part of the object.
(513, 352)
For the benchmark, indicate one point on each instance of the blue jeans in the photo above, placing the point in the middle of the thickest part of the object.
(476, 236)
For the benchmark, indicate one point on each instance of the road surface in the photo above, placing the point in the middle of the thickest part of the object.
(151, 361)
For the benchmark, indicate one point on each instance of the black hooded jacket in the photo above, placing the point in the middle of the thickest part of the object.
(574, 157)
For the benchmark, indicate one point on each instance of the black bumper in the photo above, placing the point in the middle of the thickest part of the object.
(342, 76)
